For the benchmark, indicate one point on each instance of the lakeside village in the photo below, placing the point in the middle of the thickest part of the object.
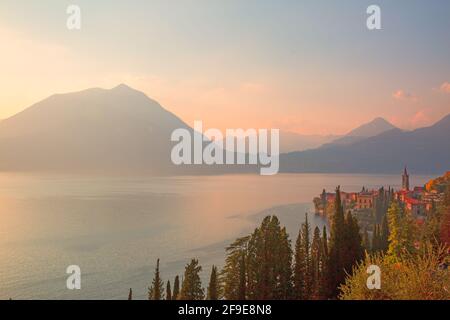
(370, 206)
(409, 242)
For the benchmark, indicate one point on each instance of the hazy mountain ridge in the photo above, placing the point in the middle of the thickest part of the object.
(97, 131)
(373, 128)
(291, 141)
(123, 131)
(424, 150)
(91, 130)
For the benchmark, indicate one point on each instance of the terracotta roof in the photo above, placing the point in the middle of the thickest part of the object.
(413, 201)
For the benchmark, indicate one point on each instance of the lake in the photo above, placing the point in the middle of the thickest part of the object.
(116, 228)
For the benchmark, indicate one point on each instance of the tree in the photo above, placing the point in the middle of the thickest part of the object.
(353, 244)
(325, 242)
(261, 262)
(306, 243)
(269, 262)
(413, 277)
(168, 291)
(445, 228)
(431, 230)
(284, 267)
(384, 236)
(336, 272)
(366, 241)
(233, 275)
(191, 288)
(379, 205)
(401, 235)
(213, 287)
(299, 268)
(242, 292)
(176, 288)
(445, 219)
(376, 238)
(324, 293)
(316, 268)
(155, 292)
(345, 247)
(130, 294)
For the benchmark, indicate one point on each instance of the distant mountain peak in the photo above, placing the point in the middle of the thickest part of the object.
(123, 87)
(94, 130)
(372, 128)
(425, 150)
(380, 120)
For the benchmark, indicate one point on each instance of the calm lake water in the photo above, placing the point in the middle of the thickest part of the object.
(116, 228)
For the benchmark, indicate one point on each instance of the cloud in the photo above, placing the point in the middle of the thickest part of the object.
(445, 87)
(420, 119)
(423, 117)
(404, 96)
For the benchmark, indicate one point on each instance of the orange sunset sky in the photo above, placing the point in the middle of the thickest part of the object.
(298, 66)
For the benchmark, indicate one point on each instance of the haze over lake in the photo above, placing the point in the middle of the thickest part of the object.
(116, 228)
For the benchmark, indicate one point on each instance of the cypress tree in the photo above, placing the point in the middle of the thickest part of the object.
(213, 286)
(284, 266)
(324, 293)
(176, 288)
(316, 258)
(242, 279)
(155, 292)
(260, 271)
(168, 291)
(191, 288)
(234, 272)
(354, 242)
(266, 251)
(325, 241)
(375, 239)
(306, 243)
(130, 294)
(430, 232)
(366, 241)
(337, 250)
(299, 268)
(303, 277)
(269, 262)
(401, 232)
(384, 242)
(345, 247)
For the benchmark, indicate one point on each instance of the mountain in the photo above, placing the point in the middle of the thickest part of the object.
(424, 150)
(370, 129)
(373, 128)
(122, 131)
(119, 130)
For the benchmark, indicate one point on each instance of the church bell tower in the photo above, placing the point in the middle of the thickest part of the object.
(405, 180)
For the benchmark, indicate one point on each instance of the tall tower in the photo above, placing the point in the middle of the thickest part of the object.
(405, 180)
